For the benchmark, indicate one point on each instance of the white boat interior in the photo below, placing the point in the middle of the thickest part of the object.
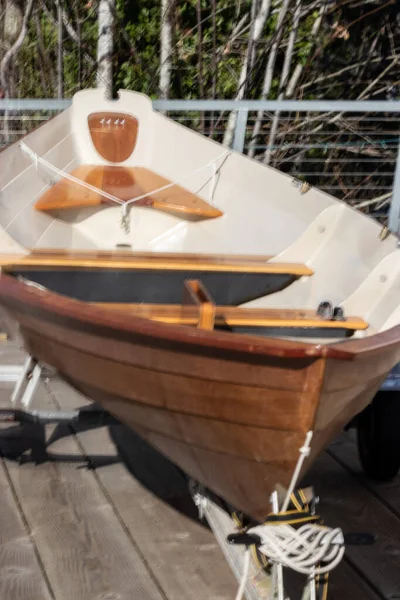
(212, 200)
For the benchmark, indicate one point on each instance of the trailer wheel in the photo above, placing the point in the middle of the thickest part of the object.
(378, 436)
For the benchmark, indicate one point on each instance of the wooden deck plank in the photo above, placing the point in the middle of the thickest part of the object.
(21, 577)
(344, 584)
(85, 549)
(345, 504)
(146, 514)
(163, 521)
(344, 449)
(11, 353)
(184, 556)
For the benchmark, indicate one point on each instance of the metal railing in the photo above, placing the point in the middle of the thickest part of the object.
(349, 149)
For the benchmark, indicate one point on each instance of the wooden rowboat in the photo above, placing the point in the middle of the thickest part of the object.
(222, 361)
(230, 408)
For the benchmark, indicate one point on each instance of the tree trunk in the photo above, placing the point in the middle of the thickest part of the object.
(13, 19)
(166, 49)
(269, 73)
(60, 61)
(200, 61)
(105, 46)
(43, 66)
(300, 66)
(13, 15)
(15, 29)
(284, 78)
(257, 25)
(214, 63)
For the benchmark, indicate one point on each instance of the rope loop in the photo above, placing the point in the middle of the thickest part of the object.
(295, 538)
(36, 159)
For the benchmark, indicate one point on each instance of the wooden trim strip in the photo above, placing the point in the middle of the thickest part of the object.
(374, 344)
(232, 316)
(16, 295)
(126, 252)
(177, 262)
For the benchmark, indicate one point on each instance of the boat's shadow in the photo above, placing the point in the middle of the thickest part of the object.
(28, 443)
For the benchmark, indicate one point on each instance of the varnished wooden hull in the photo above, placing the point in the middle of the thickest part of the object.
(230, 410)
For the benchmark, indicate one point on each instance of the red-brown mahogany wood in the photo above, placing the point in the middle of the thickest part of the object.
(231, 410)
(113, 134)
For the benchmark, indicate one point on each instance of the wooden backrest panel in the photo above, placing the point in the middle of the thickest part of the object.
(114, 135)
(195, 294)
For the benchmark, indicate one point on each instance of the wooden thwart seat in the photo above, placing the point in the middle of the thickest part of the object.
(231, 316)
(156, 261)
(199, 310)
(125, 183)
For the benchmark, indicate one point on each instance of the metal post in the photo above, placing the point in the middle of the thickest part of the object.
(394, 213)
(23, 378)
(32, 385)
(240, 129)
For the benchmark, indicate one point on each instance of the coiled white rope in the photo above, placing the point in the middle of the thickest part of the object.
(302, 549)
(36, 160)
(299, 549)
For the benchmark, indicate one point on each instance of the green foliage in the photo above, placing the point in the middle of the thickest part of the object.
(206, 61)
(137, 48)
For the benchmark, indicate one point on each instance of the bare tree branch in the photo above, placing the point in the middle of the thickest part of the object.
(269, 72)
(299, 67)
(284, 78)
(105, 46)
(60, 56)
(256, 27)
(10, 54)
(166, 48)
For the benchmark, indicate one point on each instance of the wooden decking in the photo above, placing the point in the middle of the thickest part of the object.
(96, 514)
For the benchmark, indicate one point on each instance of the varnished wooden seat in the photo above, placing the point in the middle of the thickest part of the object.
(40, 259)
(199, 310)
(232, 316)
(125, 183)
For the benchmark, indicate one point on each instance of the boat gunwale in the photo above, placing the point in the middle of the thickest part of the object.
(82, 312)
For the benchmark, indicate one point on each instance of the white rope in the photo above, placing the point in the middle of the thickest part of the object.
(298, 549)
(277, 570)
(243, 581)
(213, 183)
(304, 452)
(38, 159)
(302, 549)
